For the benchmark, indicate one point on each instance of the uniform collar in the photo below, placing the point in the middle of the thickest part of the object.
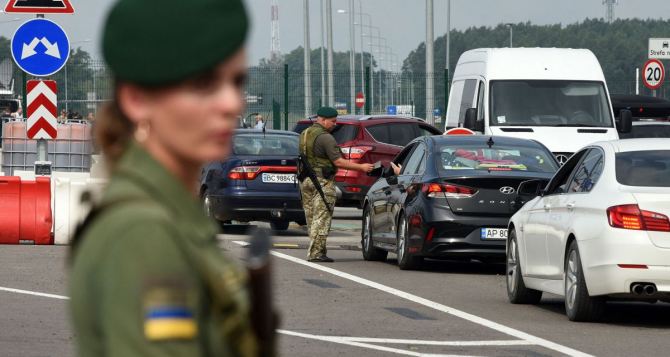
(161, 185)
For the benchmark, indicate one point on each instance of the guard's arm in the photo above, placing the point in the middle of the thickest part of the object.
(345, 164)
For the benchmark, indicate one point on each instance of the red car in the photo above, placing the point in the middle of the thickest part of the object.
(369, 138)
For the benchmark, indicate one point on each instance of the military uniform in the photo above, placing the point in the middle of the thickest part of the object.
(148, 276)
(321, 150)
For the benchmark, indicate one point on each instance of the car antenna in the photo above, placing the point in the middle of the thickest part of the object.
(490, 142)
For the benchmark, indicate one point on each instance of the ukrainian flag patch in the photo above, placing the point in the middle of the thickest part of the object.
(169, 322)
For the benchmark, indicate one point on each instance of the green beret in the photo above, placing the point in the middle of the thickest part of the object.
(157, 42)
(326, 112)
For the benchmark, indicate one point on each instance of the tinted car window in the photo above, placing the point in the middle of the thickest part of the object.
(497, 158)
(401, 134)
(427, 131)
(643, 168)
(380, 133)
(413, 164)
(344, 133)
(587, 173)
(301, 126)
(268, 145)
(647, 131)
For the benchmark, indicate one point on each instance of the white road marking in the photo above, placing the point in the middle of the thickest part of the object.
(437, 306)
(35, 293)
(438, 343)
(345, 341)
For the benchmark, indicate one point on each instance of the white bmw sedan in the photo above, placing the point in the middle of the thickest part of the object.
(598, 230)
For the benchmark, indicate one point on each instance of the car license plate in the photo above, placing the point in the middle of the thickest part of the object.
(493, 233)
(278, 178)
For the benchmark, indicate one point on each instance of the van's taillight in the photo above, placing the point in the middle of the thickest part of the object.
(632, 217)
(447, 190)
(244, 173)
(355, 152)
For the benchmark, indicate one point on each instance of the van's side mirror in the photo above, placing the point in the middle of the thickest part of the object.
(625, 121)
(470, 121)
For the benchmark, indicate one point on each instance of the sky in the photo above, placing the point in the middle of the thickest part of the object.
(401, 22)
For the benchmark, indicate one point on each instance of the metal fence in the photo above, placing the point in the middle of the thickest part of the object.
(278, 92)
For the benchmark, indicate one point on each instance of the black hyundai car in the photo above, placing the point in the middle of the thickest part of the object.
(257, 182)
(452, 198)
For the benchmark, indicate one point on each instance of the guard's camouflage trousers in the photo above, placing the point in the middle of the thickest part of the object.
(317, 214)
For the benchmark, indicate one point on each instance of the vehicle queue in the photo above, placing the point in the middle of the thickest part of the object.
(589, 224)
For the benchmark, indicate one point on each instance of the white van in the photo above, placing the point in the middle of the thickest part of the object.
(557, 96)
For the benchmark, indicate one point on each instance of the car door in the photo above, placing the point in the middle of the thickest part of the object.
(405, 179)
(535, 228)
(574, 203)
(382, 192)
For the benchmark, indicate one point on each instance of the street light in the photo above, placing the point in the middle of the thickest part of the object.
(352, 45)
(511, 33)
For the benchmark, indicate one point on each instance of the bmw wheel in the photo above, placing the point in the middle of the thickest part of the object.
(517, 292)
(406, 260)
(579, 306)
(369, 251)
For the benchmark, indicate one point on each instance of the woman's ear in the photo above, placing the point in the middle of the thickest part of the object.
(134, 102)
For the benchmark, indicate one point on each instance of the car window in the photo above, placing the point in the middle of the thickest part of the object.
(300, 127)
(647, 131)
(559, 182)
(587, 173)
(454, 103)
(427, 131)
(499, 157)
(344, 133)
(414, 162)
(380, 133)
(266, 145)
(480, 101)
(650, 168)
(401, 134)
(467, 100)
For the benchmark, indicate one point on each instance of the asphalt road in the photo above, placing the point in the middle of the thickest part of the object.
(353, 307)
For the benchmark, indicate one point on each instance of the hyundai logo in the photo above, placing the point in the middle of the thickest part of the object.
(562, 159)
(507, 190)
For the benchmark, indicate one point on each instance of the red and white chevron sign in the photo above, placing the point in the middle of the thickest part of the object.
(42, 110)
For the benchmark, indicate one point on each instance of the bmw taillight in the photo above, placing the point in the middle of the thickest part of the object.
(355, 152)
(244, 173)
(447, 190)
(632, 217)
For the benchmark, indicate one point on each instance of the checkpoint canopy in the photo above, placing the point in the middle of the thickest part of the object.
(40, 47)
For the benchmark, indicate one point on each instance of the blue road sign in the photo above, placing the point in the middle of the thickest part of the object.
(391, 110)
(40, 47)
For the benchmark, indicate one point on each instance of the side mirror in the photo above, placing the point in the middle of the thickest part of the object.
(527, 191)
(387, 171)
(470, 121)
(625, 122)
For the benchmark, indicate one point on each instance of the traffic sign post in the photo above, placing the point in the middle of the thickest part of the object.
(40, 47)
(41, 111)
(653, 74)
(360, 100)
(659, 48)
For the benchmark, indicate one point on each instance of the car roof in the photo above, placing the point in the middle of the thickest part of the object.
(482, 139)
(640, 144)
(362, 118)
(267, 131)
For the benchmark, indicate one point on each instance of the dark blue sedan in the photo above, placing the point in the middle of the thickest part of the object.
(452, 198)
(257, 182)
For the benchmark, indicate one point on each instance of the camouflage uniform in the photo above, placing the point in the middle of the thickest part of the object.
(321, 150)
(317, 214)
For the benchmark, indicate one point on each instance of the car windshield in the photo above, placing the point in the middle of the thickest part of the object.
(549, 103)
(265, 145)
(649, 168)
(648, 131)
(496, 158)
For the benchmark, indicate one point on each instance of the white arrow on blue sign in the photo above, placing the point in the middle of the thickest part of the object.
(40, 47)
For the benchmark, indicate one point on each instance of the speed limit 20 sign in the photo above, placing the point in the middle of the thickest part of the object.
(653, 74)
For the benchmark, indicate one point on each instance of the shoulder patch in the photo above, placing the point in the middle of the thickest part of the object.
(168, 310)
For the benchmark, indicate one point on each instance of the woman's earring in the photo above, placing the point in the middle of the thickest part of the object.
(142, 132)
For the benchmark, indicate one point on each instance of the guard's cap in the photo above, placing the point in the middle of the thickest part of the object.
(327, 112)
(157, 42)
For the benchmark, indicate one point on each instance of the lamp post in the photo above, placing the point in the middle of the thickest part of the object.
(329, 38)
(307, 61)
(511, 33)
(352, 44)
(430, 101)
(323, 72)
